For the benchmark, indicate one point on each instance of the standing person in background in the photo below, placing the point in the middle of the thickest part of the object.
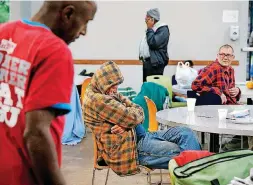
(36, 78)
(153, 48)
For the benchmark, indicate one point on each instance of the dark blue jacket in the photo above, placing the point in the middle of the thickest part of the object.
(158, 43)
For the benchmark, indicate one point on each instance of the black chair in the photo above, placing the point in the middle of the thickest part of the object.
(192, 94)
(249, 101)
(206, 98)
(174, 82)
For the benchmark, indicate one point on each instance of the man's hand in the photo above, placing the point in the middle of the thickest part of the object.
(234, 92)
(223, 99)
(117, 129)
(150, 22)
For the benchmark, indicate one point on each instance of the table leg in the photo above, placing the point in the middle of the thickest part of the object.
(220, 142)
(214, 142)
(202, 138)
(241, 142)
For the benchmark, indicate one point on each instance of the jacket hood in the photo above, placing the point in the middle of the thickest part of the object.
(105, 77)
(158, 25)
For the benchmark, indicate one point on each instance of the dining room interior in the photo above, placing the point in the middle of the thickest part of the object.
(205, 85)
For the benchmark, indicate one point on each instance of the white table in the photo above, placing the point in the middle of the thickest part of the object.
(177, 89)
(205, 119)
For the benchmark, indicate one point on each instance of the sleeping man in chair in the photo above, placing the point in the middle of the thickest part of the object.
(122, 141)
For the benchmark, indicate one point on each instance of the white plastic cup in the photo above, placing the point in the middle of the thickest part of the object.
(222, 124)
(222, 114)
(191, 104)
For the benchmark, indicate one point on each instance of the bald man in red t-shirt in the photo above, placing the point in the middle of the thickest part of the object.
(36, 78)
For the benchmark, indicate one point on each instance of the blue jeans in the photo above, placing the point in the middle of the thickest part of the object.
(156, 149)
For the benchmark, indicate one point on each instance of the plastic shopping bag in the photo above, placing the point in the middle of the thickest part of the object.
(185, 75)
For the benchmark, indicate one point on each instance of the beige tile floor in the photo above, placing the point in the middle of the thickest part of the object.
(78, 167)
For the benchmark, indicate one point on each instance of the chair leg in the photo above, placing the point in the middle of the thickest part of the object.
(107, 176)
(161, 176)
(93, 176)
(149, 178)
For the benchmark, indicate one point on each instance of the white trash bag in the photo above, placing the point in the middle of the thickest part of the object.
(185, 75)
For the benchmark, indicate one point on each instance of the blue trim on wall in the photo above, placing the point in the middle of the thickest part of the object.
(26, 21)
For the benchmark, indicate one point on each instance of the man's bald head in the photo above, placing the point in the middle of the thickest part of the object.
(80, 6)
(67, 19)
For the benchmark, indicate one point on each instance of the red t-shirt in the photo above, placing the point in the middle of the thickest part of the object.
(36, 72)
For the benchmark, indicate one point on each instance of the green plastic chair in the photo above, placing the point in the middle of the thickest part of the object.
(166, 82)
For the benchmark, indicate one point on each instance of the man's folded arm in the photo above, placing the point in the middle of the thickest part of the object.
(117, 113)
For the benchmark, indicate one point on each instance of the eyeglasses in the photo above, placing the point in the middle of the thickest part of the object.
(223, 55)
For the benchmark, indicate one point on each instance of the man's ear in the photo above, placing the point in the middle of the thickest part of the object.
(67, 13)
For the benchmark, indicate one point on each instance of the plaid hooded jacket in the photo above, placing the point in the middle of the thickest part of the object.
(102, 112)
